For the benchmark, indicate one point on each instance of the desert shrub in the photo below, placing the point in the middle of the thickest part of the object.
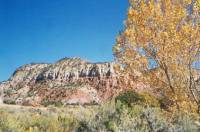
(111, 116)
(83, 127)
(47, 102)
(150, 100)
(20, 122)
(30, 94)
(9, 101)
(67, 123)
(8, 123)
(117, 116)
(185, 122)
(165, 103)
(131, 98)
(36, 123)
(9, 91)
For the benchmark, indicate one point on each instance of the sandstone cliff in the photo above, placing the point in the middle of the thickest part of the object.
(68, 81)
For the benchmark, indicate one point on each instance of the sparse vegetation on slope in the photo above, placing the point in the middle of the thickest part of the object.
(115, 115)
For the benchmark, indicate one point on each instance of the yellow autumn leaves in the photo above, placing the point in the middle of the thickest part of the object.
(168, 33)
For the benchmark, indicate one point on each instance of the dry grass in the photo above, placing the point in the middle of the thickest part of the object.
(111, 116)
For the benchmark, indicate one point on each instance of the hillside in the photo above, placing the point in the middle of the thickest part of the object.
(68, 81)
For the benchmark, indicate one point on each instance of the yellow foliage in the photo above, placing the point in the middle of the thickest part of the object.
(168, 33)
(150, 100)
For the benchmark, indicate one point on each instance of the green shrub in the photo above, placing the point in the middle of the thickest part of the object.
(30, 94)
(129, 98)
(9, 101)
(132, 98)
(165, 103)
(47, 102)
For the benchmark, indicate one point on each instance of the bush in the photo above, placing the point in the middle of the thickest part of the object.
(150, 100)
(111, 116)
(130, 98)
(47, 102)
(165, 103)
(9, 101)
(119, 117)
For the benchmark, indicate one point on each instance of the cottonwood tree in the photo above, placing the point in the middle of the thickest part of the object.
(162, 41)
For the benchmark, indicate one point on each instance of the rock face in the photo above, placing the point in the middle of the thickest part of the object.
(68, 81)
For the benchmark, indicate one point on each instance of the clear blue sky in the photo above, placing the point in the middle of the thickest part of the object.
(48, 30)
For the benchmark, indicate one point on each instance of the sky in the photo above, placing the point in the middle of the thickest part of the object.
(44, 31)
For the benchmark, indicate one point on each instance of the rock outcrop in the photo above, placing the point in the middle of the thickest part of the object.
(68, 81)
